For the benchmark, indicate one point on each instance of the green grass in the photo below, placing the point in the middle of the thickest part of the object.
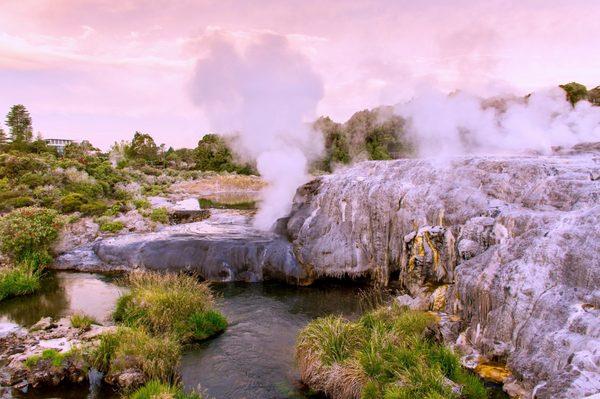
(155, 389)
(156, 356)
(82, 321)
(385, 354)
(160, 215)
(207, 203)
(52, 356)
(172, 304)
(18, 280)
(112, 226)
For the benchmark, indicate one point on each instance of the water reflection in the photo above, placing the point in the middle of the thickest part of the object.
(63, 294)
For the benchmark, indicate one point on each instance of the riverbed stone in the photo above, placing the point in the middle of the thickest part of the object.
(515, 239)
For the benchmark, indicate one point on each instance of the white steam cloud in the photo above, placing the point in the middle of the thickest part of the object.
(459, 124)
(263, 97)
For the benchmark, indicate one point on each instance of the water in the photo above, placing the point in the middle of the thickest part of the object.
(63, 294)
(254, 358)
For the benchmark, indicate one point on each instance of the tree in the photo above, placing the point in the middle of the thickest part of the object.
(19, 123)
(142, 148)
(3, 138)
(212, 153)
(575, 92)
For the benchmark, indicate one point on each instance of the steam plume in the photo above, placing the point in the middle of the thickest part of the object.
(262, 97)
(458, 124)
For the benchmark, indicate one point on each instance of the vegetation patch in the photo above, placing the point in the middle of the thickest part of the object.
(157, 390)
(134, 348)
(51, 357)
(18, 280)
(173, 304)
(160, 215)
(111, 226)
(388, 353)
(82, 321)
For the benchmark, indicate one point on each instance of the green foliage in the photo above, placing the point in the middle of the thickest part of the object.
(155, 389)
(206, 324)
(575, 92)
(383, 347)
(142, 149)
(156, 356)
(28, 232)
(19, 123)
(206, 203)
(72, 202)
(141, 204)
(160, 215)
(22, 279)
(113, 226)
(212, 153)
(94, 208)
(82, 321)
(52, 356)
(176, 305)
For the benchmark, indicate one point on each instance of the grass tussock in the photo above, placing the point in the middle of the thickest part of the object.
(155, 389)
(22, 279)
(82, 321)
(170, 304)
(387, 354)
(128, 348)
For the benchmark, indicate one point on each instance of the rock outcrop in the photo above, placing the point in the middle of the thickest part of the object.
(508, 246)
(223, 248)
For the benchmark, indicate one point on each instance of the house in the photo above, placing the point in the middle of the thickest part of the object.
(59, 144)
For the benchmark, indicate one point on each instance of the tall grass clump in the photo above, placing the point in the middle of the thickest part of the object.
(387, 353)
(156, 389)
(26, 235)
(129, 348)
(174, 304)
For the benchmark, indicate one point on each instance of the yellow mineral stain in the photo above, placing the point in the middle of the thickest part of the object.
(438, 297)
(493, 372)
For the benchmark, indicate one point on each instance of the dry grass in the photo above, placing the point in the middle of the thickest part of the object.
(215, 183)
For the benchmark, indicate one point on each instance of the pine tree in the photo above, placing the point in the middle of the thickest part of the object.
(19, 123)
(3, 138)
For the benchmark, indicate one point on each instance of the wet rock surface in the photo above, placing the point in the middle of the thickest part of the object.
(17, 346)
(224, 247)
(508, 246)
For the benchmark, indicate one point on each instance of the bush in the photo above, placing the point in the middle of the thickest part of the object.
(28, 233)
(72, 202)
(368, 357)
(160, 215)
(94, 208)
(20, 202)
(112, 226)
(177, 305)
(155, 389)
(141, 204)
(156, 356)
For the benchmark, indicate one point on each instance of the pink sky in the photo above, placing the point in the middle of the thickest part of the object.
(101, 69)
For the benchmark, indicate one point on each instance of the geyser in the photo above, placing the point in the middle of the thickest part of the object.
(261, 98)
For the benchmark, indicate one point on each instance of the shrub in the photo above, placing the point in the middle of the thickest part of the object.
(94, 208)
(28, 232)
(368, 357)
(112, 226)
(72, 202)
(156, 356)
(141, 204)
(82, 321)
(170, 304)
(160, 215)
(20, 202)
(155, 389)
